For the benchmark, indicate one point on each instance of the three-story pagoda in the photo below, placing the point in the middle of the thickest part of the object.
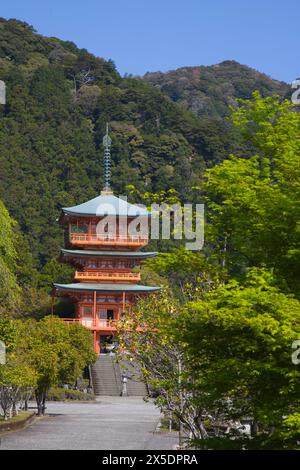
(102, 247)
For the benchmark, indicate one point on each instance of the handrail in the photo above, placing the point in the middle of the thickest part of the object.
(91, 382)
(103, 275)
(107, 238)
(90, 323)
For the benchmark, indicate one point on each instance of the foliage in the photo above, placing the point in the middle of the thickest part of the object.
(239, 339)
(253, 200)
(57, 351)
(9, 288)
(236, 319)
(17, 379)
(187, 271)
(8, 332)
(53, 271)
(148, 337)
(62, 394)
(209, 91)
(18, 275)
(40, 355)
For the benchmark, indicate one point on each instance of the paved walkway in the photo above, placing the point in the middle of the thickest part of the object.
(112, 423)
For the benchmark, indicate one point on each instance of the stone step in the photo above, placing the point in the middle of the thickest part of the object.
(107, 377)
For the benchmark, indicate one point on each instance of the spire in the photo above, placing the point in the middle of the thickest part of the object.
(106, 162)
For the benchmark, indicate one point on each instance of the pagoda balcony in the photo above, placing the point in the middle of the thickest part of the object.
(87, 276)
(90, 323)
(88, 239)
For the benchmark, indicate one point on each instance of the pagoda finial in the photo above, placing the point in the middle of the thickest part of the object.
(107, 162)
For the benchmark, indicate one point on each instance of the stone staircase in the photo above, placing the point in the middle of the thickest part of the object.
(107, 373)
(106, 376)
(135, 383)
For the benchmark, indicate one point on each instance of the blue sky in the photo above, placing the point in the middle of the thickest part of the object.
(151, 35)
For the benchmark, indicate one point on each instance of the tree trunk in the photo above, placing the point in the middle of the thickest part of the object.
(44, 404)
(40, 396)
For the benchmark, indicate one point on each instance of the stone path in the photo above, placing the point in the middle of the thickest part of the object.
(112, 423)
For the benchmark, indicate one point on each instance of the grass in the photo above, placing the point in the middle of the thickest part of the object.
(15, 420)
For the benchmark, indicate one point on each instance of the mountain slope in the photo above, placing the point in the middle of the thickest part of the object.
(59, 99)
(209, 91)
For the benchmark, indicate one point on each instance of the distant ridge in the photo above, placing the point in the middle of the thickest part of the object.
(210, 90)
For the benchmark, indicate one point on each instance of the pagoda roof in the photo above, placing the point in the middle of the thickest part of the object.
(103, 254)
(118, 288)
(106, 204)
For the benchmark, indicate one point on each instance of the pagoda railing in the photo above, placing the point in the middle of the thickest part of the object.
(88, 238)
(99, 323)
(107, 276)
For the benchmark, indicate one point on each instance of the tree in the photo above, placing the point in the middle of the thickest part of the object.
(40, 354)
(17, 378)
(186, 271)
(9, 289)
(57, 351)
(147, 336)
(239, 342)
(17, 381)
(8, 332)
(253, 199)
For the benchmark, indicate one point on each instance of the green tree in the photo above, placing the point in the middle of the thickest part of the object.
(9, 288)
(148, 336)
(17, 378)
(8, 332)
(253, 201)
(187, 271)
(239, 341)
(17, 381)
(57, 351)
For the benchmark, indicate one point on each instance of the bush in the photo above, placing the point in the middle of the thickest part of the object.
(61, 394)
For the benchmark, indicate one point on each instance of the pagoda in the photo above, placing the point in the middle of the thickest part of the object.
(103, 239)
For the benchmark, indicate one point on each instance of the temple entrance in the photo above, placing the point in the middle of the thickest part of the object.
(105, 314)
(106, 343)
(110, 314)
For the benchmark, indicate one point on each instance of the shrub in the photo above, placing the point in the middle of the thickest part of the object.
(61, 394)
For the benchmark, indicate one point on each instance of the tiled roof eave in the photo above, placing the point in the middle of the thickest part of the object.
(124, 254)
(117, 288)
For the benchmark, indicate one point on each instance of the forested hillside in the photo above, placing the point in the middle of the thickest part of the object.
(59, 98)
(58, 101)
(210, 91)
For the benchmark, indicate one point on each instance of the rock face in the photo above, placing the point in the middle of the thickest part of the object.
(209, 91)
